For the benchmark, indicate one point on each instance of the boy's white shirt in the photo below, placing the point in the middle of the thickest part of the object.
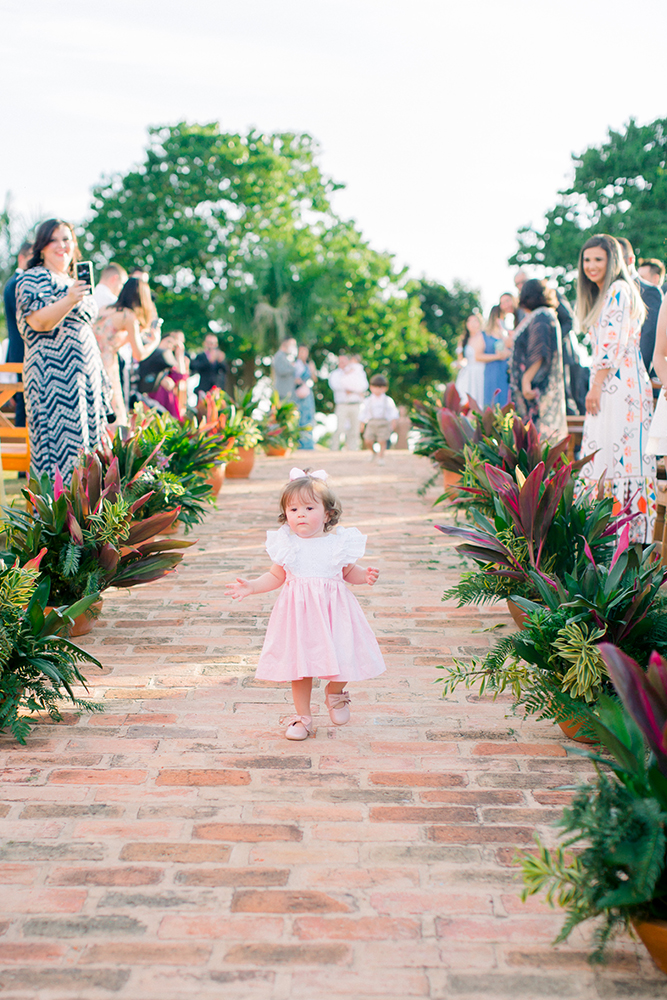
(380, 407)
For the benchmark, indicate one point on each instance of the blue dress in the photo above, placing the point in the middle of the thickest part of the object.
(495, 375)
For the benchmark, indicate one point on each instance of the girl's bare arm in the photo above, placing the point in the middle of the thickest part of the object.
(357, 574)
(241, 588)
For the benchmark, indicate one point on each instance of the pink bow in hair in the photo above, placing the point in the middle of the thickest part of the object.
(300, 474)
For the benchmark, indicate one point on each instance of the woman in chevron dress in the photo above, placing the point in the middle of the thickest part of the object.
(67, 390)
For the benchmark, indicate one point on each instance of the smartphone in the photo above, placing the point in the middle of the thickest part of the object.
(84, 272)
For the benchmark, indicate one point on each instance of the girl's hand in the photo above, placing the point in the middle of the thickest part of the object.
(239, 589)
(371, 575)
(527, 391)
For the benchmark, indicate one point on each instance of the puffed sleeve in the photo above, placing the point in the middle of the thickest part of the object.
(278, 545)
(350, 546)
(612, 330)
(34, 291)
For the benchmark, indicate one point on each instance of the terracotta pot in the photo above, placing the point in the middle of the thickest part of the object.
(571, 728)
(653, 935)
(517, 614)
(241, 467)
(450, 478)
(216, 478)
(83, 624)
(277, 452)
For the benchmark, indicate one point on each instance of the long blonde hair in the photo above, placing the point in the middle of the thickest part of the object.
(590, 298)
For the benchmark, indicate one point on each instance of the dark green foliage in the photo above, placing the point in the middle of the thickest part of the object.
(240, 237)
(446, 311)
(620, 871)
(38, 667)
(619, 188)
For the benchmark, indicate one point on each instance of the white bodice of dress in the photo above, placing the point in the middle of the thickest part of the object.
(315, 557)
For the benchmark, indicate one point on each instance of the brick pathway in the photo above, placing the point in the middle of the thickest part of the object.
(178, 846)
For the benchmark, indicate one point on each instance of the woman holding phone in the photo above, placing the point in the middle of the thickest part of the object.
(67, 390)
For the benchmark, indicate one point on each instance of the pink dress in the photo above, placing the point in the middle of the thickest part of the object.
(317, 627)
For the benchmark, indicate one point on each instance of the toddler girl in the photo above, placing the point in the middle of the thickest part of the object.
(317, 628)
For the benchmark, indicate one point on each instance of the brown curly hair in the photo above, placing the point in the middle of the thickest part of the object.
(312, 489)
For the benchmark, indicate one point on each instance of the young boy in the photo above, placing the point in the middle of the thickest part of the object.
(378, 416)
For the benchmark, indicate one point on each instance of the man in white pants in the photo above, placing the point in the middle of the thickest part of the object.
(349, 385)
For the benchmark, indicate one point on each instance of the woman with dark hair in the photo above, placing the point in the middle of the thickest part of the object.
(619, 402)
(128, 321)
(66, 388)
(536, 374)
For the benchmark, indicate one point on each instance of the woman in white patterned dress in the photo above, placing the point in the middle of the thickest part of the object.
(619, 402)
(67, 391)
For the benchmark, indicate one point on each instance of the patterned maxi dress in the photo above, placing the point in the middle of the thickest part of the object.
(538, 338)
(619, 432)
(67, 391)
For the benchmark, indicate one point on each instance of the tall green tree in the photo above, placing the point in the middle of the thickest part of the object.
(619, 187)
(240, 237)
(446, 310)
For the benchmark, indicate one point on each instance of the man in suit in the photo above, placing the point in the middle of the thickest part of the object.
(15, 349)
(652, 299)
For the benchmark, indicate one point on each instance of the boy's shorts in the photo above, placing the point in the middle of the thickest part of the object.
(377, 430)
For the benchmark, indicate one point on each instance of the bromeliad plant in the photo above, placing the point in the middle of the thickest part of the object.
(38, 667)
(280, 426)
(88, 532)
(161, 456)
(553, 667)
(619, 875)
(538, 525)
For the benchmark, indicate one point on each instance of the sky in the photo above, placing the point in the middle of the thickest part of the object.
(451, 124)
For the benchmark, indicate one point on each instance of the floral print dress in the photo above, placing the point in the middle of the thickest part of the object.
(619, 432)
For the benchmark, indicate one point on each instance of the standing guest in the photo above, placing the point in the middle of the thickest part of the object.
(15, 347)
(657, 442)
(211, 365)
(619, 403)
(127, 323)
(470, 380)
(349, 384)
(306, 375)
(536, 377)
(496, 353)
(508, 305)
(652, 270)
(109, 285)
(378, 417)
(161, 371)
(66, 387)
(652, 299)
(284, 375)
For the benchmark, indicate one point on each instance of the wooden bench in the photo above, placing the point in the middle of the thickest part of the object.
(575, 428)
(14, 442)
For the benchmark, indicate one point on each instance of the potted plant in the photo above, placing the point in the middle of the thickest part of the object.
(553, 666)
(160, 455)
(538, 524)
(88, 532)
(38, 666)
(617, 823)
(243, 428)
(280, 427)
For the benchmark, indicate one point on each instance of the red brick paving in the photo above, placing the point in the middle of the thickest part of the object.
(178, 846)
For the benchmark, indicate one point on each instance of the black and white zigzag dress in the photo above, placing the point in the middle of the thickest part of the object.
(67, 390)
